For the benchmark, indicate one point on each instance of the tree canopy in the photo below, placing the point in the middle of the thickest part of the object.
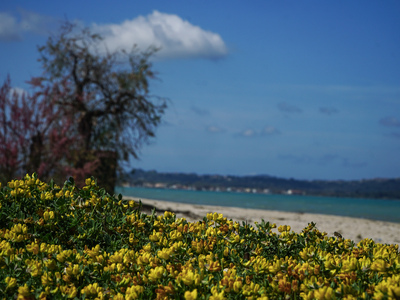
(103, 97)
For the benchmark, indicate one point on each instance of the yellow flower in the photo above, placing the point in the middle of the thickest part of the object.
(92, 289)
(217, 216)
(117, 257)
(88, 181)
(379, 265)
(275, 267)
(72, 270)
(168, 214)
(95, 251)
(216, 295)
(24, 291)
(156, 273)
(191, 295)
(188, 277)
(164, 254)
(325, 292)
(11, 282)
(349, 265)
(226, 251)
(389, 286)
(175, 235)
(119, 296)
(307, 296)
(69, 291)
(46, 279)
(48, 215)
(64, 255)
(284, 228)
(36, 268)
(133, 292)
(237, 286)
(50, 264)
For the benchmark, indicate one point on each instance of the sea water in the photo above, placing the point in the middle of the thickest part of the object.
(375, 209)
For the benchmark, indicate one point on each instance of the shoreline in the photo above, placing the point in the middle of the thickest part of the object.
(355, 229)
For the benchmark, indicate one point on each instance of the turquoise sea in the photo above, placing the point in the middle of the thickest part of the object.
(375, 209)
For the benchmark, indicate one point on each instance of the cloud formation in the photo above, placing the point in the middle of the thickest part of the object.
(285, 107)
(266, 131)
(355, 165)
(176, 37)
(395, 135)
(214, 129)
(390, 122)
(324, 160)
(247, 133)
(328, 110)
(20, 92)
(296, 159)
(9, 29)
(270, 130)
(13, 28)
(200, 111)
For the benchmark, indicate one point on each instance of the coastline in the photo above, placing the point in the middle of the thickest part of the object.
(355, 229)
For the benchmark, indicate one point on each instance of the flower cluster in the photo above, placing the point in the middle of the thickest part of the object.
(68, 243)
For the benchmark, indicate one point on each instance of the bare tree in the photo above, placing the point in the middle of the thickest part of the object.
(106, 94)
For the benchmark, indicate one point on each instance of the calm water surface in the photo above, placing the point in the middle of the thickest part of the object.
(375, 209)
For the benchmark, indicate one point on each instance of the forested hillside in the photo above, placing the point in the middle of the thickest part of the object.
(371, 188)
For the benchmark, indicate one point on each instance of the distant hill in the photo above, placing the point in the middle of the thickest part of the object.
(371, 188)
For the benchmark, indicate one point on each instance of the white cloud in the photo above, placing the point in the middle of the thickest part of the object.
(297, 159)
(270, 130)
(33, 22)
(285, 107)
(390, 122)
(18, 91)
(214, 129)
(247, 133)
(337, 88)
(328, 110)
(12, 27)
(326, 160)
(9, 28)
(351, 164)
(266, 131)
(200, 111)
(176, 37)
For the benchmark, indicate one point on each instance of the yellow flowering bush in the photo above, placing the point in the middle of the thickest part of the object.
(69, 243)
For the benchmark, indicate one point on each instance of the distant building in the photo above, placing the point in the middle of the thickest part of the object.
(295, 192)
(160, 185)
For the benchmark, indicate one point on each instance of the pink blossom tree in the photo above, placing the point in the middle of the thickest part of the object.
(36, 134)
(88, 112)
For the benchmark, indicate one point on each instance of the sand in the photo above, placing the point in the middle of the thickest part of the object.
(355, 229)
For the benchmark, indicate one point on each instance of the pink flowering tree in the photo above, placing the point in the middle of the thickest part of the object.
(88, 112)
(35, 134)
(12, 136)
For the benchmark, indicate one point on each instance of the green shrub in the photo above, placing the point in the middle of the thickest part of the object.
(63, 242)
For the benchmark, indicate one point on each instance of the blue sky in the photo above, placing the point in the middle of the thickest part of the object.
(294, 89)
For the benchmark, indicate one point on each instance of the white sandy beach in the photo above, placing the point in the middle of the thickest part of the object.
(351, 228)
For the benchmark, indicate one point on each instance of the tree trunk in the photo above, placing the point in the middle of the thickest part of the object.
(106, 172)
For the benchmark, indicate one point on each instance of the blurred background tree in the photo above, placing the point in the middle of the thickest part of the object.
(102, 99)
(34, 137)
